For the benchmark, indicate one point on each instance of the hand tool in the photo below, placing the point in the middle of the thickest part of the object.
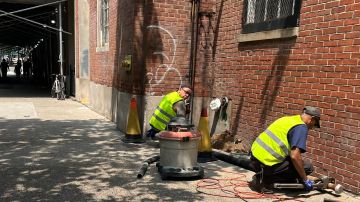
(322, 183)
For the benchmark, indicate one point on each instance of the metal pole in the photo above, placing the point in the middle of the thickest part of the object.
(60, 40)
(50, 55)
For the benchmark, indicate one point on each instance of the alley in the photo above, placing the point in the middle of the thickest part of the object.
(62, 151)
(55, 150)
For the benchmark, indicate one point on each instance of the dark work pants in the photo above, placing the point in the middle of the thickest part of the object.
(152, 132)
(283, 172)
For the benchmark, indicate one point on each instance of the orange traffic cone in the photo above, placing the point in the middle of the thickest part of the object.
(205, 148)
(133, 131)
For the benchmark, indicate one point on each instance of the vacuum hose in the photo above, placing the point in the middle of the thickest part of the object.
(243, 161)
(145, 165)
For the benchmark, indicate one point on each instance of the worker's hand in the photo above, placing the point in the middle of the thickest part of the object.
(308, 184)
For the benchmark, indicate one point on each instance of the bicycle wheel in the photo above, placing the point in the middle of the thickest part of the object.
(53, 89)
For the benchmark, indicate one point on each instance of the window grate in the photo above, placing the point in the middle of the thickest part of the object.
(104, 22)
(264, 15)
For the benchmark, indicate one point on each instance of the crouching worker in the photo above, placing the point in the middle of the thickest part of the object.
(172, 105)
(276, 152)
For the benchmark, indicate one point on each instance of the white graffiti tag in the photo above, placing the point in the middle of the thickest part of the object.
(156, 79)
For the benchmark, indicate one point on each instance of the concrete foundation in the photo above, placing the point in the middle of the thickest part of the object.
(115, 106)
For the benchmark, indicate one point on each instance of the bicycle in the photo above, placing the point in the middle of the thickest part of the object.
(58, 87)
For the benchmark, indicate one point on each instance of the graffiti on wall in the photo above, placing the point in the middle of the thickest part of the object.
(157, 75)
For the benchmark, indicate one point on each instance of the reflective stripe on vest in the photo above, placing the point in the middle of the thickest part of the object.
(272, 146)
(268, 149)
(164, 112)
(278, 141)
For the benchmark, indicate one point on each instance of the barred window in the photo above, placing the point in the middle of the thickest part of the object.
(104, 22)
(264, 15)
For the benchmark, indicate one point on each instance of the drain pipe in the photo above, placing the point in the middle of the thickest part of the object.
(193, 52)
(145, 165)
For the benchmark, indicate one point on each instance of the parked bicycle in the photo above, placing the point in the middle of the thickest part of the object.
(58, 87)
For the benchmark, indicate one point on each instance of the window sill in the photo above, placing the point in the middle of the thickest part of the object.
(266, 35)
(102, 48)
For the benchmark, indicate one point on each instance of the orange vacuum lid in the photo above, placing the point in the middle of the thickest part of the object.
(179, 135)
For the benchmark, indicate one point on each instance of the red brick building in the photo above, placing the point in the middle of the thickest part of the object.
(270, 58)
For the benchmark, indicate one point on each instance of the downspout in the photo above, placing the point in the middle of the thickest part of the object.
(193, 52)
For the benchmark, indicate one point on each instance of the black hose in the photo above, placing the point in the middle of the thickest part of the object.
(145, 165)
(243, 161)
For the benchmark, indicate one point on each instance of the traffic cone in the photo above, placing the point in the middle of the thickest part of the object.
(205, 148)
(133, 131)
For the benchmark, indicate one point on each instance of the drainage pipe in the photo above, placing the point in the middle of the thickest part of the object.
(241, 160)
(145, 165)
(195, 6)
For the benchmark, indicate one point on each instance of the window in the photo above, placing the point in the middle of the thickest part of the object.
(103, 8)
(265, 15)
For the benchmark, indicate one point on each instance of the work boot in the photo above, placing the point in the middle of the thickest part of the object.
(155, 138)
(151, 134)
(260, 186)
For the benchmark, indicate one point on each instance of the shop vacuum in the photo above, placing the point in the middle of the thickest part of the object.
(179, 151)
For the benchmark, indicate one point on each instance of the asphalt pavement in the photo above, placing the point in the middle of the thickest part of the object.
(54, 150)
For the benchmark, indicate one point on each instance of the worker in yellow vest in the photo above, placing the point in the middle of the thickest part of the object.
(172, 105)
(276, 152)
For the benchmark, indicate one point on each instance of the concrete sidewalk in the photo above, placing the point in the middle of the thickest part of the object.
(54, 150)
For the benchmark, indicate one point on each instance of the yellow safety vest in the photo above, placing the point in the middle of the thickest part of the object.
(272, 145)
(164, 112)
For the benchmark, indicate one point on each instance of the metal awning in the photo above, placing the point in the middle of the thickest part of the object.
(33, 2)
(24, 22)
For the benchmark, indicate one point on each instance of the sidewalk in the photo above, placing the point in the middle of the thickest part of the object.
(54, 150)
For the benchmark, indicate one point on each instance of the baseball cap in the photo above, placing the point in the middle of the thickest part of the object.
(315, 112)
(182, 86)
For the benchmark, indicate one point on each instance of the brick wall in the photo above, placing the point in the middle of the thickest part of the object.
(156, 34)
(268, 79)
(264, 80)
(102, 63)
(166, 45)
(124, 80)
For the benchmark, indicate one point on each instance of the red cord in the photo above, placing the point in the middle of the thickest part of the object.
(233, 188)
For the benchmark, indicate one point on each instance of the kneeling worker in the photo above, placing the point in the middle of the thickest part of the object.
(276, 152)
(172, 105)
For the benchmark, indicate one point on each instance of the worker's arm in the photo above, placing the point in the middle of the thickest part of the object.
(296, 159)
(179, 108)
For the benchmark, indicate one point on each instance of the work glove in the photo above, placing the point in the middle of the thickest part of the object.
(308, 184)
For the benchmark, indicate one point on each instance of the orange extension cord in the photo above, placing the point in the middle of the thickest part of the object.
(231, 188)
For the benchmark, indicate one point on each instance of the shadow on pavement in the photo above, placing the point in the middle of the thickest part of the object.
(76, 160)
(20, 87)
